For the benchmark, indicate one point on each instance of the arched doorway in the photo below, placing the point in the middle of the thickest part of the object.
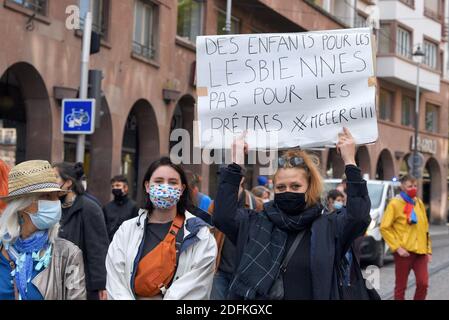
(183, 118)
(363, 160)
(25, 115)
(404, 169)
(140, 145)
(385, 166)
(432, 188)
(335, 167)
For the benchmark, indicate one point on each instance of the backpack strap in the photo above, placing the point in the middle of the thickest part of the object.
(292, 250)
(178, 243)
(177, 231)
(179, 240)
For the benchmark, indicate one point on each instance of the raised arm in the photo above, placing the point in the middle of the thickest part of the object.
(353, 221)
(227, 216)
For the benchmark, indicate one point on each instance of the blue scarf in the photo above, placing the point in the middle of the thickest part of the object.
(23, 252)
(409, 209)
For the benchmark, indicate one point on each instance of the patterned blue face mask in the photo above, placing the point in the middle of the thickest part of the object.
(164, 196)
(48, 214)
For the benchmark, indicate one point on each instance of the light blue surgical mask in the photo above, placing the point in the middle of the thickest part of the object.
(338, 205)
(47, 215)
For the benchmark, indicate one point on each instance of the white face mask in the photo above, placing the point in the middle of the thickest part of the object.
(84, 183)
(338, 205)
(48, 214)
(266, 200)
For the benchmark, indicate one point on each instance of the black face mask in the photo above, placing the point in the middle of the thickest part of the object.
(291, 203)
(118, 194)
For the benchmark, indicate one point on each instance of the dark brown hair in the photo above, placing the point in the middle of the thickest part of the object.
(408, 177)
(119, 178)
(334, 194)
(74, 173)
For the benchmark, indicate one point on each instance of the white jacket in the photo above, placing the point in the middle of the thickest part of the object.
(194, 274)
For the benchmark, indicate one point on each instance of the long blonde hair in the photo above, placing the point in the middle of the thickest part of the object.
(9, 221)
(310, 166)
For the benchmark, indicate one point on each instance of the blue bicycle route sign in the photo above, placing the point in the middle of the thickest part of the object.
(78, 116)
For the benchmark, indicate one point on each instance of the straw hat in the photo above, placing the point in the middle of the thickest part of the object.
(31, 177)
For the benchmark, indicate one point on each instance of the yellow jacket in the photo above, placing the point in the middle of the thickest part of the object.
(398, 233)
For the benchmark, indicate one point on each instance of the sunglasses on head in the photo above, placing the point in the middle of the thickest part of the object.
(294, 161)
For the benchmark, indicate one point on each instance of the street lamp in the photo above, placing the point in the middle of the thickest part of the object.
(418, 54)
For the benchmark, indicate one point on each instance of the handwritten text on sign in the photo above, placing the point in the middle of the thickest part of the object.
(300, 87)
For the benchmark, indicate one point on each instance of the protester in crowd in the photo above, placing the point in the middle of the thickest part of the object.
(261, 193)
(291, 242)
(334, 200)
(227, 254)
(342, 187)
(4, 170)
(262, 181)
(405, 228)
(120, 209)
(199, 199)
(335, 204)
(82, 223)
(34, 263)
(165, 252)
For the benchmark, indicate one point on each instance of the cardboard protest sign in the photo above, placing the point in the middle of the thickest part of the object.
(286, 90)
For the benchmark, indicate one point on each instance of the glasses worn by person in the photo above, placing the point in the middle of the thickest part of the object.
(166, 252)
(291, 250)
(34, 263)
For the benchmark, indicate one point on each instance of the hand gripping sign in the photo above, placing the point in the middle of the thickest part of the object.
(286, 90)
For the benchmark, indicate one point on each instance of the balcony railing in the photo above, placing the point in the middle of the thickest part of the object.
(143, 50)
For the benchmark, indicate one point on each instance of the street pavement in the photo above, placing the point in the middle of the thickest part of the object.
(438, 270)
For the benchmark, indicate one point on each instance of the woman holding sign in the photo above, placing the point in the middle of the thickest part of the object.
(290, 250)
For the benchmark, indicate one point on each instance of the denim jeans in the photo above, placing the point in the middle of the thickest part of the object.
(220, 287)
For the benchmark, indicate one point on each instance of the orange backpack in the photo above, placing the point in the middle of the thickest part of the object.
(157, 269)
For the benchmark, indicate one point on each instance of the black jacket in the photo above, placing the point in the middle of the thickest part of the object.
(332, 235)
(83, 224)
(115, 213)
